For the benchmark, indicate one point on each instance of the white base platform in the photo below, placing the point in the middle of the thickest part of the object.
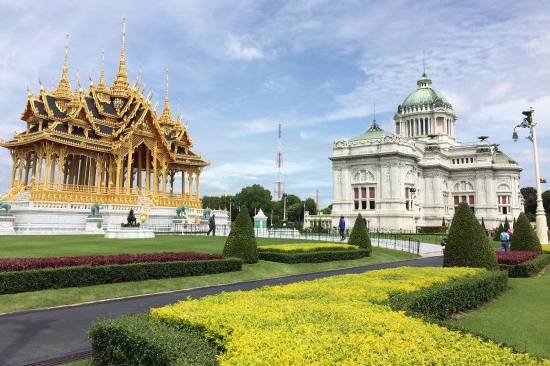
(7, 225)
(129, 233)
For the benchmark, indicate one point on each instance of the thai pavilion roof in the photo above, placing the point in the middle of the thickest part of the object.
(109, 114)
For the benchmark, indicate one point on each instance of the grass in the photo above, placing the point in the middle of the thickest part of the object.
(519, 318)
(83, 245)
(423, 238)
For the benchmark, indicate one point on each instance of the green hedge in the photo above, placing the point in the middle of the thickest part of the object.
(141, 340)
(529, 268)
(314, 257)
(442, 300)
(46, 278)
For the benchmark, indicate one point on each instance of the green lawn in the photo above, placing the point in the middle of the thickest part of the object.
(83, 245)
(423, 238)
(519, 318)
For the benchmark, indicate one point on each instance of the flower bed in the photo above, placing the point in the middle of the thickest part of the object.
(528, 268)
(305, 247)
(23, 264)
(515, 257)
(341, 320)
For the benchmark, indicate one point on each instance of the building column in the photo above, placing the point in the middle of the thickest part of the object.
(118, 173)
(198, 175)
(172, 178)
(183, 183)
(129, 170)
(52, 169)
(140, 164)
(147, 170)
(13, 166)
(155, 170)
(190, 179)
(164, 177)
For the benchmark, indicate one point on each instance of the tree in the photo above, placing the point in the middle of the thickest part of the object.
(311, 206)
(467, 244)
(529, 200)
(253, 198)
(327, 210)
(498, 231)
(241, 242)
(524, 237)
(506, 224)
(483, 226)
(359, 235)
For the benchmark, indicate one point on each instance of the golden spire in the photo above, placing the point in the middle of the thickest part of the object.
(74, 103)
(101, 84)
(166, 116)
(121, 84)
(63, 90)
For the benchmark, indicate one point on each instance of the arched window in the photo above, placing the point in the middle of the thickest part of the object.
(464, 191)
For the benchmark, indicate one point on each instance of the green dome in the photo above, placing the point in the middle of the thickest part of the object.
(374, 132)
(425, 95)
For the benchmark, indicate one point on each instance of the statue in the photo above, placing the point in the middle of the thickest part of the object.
(6, 206)
(181, 212)
(132, 222)
(95, 210)
(206, 214)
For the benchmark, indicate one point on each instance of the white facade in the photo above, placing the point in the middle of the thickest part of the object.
(415, 176)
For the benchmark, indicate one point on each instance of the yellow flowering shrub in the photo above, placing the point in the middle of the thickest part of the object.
(546, 248)
(305, 247)
(336, 321)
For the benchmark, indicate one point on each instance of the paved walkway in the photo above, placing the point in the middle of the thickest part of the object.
(40, 337)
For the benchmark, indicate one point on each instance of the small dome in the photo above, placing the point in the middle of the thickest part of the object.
(425, 95)
(374, 132)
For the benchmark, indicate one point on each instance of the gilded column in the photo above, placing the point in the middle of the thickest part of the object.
(13, 155)
(27, 167)
(183, 183)
(52, 169)
(172, 178)
(190, 179)
(21, 167)
(147, 170)
(198, 175)
(155, 169)
(60, 162)
(129, 169)
(93, 172)
(118, 172)
(99, 168)
(140, 164)
(164, 172)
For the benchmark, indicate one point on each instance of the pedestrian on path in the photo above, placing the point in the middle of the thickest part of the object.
(505, 241)
(342, 228)
(211, 226)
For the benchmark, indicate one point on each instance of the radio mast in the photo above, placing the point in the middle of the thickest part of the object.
(279, 187)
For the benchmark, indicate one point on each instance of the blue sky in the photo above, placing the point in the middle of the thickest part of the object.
(237, 68)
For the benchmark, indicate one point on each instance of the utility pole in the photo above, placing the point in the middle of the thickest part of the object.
(529, 122)
(284, 207)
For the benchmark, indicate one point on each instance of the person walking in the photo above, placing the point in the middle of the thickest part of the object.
(212, 225)
(342, 228)
(509, 242)
(505, 240)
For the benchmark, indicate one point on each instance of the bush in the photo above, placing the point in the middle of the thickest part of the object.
(23, 264)
(443, 300)
(467, 244)
(41, 279)
(498, 231)
(524, 237)
(141, 340)
(314, 257)
(241, 242)
(529, 268)
(359, 235)
(305, 247)
(432, 229)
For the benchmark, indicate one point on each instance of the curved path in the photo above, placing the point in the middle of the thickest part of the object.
(51, 336)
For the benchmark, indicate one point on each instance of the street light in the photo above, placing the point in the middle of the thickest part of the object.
(529, 122)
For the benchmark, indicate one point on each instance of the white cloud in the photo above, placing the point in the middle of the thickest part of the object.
(238, 51)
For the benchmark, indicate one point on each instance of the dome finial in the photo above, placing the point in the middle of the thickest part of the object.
(166, 116)
(423, 63)
(101, 84)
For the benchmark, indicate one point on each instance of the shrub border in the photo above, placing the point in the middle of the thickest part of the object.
(528, 268)
(142, 340)
(313, 257)
(48, 278)
(440, 301)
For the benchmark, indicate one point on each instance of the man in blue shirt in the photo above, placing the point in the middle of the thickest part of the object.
(505, 241)
(342, 228)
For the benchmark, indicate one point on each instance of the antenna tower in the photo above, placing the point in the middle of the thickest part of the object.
(279, 187)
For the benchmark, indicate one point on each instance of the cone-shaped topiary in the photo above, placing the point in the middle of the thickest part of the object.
(524, 237)
(241, 242)
(483, 226)
(359, 235)
(506, 225)
(499, 230)
(467, 245)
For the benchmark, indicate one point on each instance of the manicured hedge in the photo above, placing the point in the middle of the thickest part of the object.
(516, 257)
(529, 268)
(41, 279)
(442, 300)
(314, 257)
(23, 264)
(141, 340)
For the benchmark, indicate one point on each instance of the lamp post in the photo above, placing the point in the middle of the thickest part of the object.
(529, 122)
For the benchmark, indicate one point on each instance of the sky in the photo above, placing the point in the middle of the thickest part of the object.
(238, 68)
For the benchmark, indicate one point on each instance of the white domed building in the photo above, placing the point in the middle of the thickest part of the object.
(417, 175)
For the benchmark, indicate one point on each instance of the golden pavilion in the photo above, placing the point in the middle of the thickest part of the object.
(103, 145)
